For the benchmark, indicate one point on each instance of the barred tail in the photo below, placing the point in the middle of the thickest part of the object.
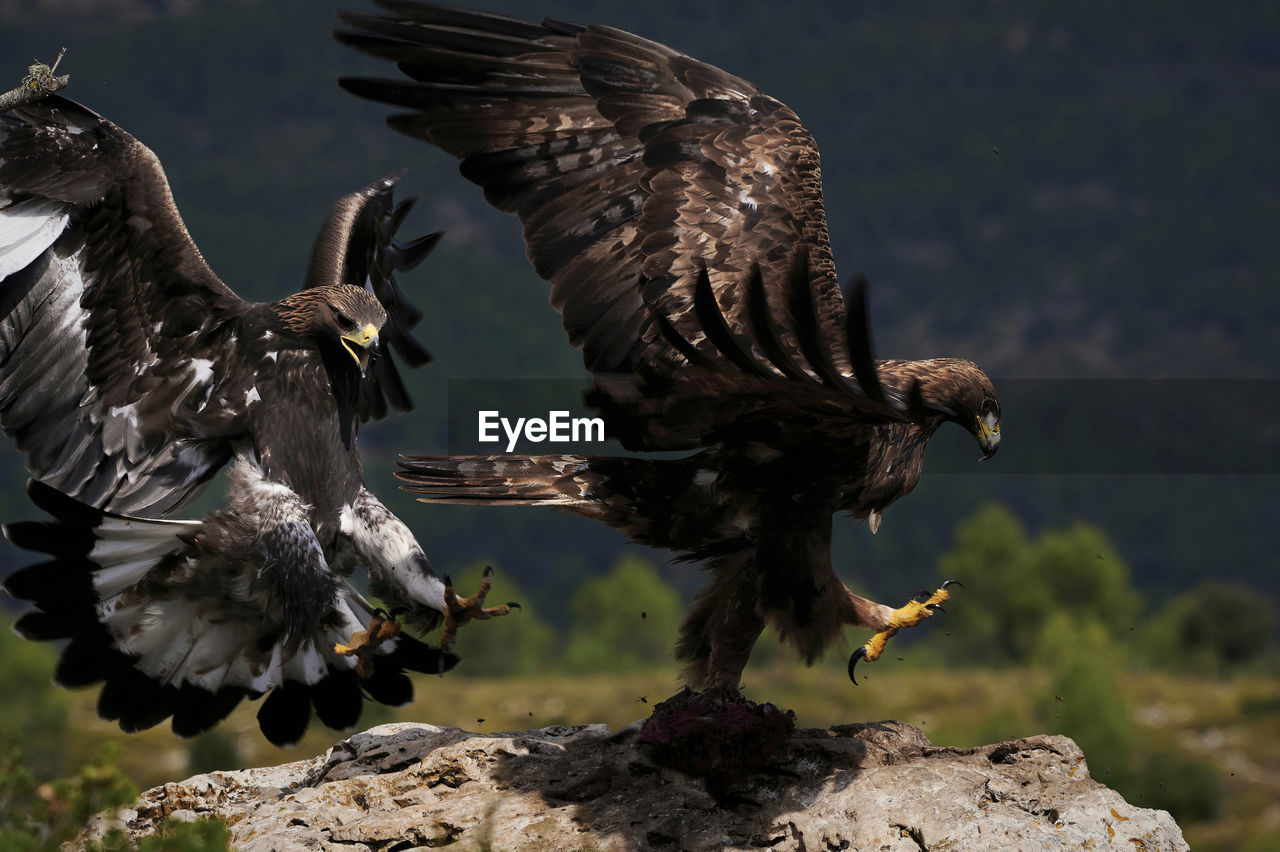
(550, 480)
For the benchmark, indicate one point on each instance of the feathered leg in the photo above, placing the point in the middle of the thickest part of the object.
(721, 627)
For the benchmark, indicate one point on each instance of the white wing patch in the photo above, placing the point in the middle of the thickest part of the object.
(26, 230)
(203, 369)
(189, 616)
(395, 562)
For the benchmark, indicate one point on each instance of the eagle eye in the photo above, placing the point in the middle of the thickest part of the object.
(988, 404)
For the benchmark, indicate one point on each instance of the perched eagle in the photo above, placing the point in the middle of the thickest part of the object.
(677, 212)
(130, 374)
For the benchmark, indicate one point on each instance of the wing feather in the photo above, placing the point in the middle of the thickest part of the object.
(111, 319)
(357, 245)
(635, 170)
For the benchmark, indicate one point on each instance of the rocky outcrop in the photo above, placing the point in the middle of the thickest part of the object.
(878, 786)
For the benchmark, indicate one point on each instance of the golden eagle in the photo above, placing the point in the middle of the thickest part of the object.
(677, 212)
(130, 374)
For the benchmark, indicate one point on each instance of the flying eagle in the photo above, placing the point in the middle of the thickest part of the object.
(130, 374)
(677, 212)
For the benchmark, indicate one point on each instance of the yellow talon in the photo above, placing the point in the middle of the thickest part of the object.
(875, 645)
(908, 615)
(458, 611)
(364, 642)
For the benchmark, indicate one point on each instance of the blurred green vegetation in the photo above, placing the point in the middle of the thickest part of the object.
(39, 719)
(623, 621)
(40, 816)
(1215, 625)
(1023, 582)
(1048, 635)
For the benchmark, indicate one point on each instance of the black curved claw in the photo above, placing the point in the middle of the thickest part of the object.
(514, 605)
(858, 654)
(946, 583)
(488, 571)
(935, 608)
(396, 612)
(380, 613)
(448, 581)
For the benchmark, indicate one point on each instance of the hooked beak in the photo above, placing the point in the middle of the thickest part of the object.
(988, 434)
(361, 344)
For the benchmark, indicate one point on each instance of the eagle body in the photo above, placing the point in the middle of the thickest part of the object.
(676, 210)
(303, 449)
(756, 508)
(130, 374)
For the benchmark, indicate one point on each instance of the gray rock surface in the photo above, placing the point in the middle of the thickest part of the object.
(879, 786)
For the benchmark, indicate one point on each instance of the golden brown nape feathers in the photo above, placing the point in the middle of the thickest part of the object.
(336, 313)
(336, 307)
(956, 389)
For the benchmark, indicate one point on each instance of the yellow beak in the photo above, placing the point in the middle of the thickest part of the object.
(988, 435)
(361, 345)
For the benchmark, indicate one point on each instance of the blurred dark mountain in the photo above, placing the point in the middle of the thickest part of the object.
(1057, 190)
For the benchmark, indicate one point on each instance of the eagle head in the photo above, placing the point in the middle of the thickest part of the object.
(337, 316)
(973, 402)
(955, 389)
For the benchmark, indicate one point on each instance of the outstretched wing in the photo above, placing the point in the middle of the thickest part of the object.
(184, 619)
(357, 245)
(114, 333)
(634, 169)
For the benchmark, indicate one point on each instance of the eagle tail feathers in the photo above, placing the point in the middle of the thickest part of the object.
(556, 480)
(134, 599)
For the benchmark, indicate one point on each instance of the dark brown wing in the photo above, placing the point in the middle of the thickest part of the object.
(357, 245)
(114, 333)
(633, 168)
(750, 381)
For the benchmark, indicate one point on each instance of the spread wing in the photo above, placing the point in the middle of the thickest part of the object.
(126, 365)
(676, 210)
(633, 168)
(357, 245)
(114, 332)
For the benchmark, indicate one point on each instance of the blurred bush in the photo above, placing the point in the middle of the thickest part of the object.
(624, 621)
(1085, 702)
(1016, 584)
(38, 814)
(1215, 626)
(33, 708)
